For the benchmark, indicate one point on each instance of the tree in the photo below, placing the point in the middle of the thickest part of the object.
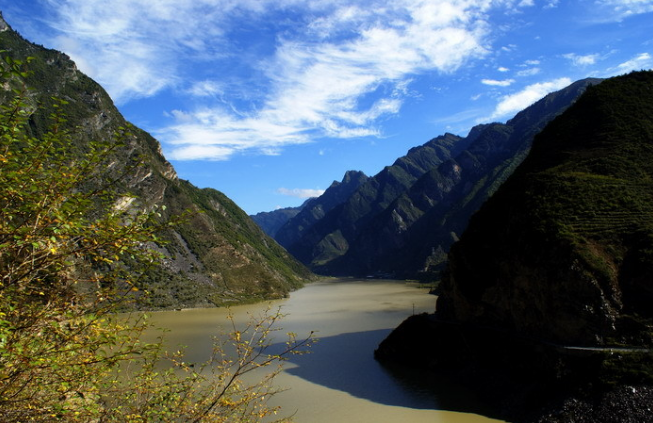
(71, 256)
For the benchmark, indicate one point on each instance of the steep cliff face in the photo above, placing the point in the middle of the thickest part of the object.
(274, 220)
(220, 255)
(324, 239)
(315, 209)
(408, 233)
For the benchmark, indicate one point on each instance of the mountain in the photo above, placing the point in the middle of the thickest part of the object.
(548, 295)
(328, 234)
(220, 256)
(413, 234)
(315, 209)
(272, 221)
(402, 221)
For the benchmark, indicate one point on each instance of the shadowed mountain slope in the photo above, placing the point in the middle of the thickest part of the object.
(411, 237)
(545, 307)
(402, 221)
(316, 208)
(331, 235)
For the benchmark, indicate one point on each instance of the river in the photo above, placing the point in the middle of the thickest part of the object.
(339, 381)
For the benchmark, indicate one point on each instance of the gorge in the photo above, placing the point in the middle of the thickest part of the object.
(544, 301)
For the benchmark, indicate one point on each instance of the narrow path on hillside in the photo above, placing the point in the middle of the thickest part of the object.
(563, 347)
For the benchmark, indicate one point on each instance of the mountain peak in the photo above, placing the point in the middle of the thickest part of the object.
(4, 26)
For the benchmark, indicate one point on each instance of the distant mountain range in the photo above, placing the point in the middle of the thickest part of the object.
(402, 221)
(272, 221)
(220, 256)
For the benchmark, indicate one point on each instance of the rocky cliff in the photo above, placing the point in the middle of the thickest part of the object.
(220, 256)
(548, 294)
(330, 236)
(413, 234)
(402, 221)
(315, 209)
(272, 221)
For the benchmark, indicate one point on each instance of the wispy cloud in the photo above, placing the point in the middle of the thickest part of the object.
(140, 50)
(528, 72)
(513, 103)
(337, 70)
(300, 192)
(497, 83)
(206, 88)
(639, 62)
(581, 60)
(317, 86)
(620, 9)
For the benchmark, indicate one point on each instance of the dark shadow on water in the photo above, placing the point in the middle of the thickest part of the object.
(346, 363)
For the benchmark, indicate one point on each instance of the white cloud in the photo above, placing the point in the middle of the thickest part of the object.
(503, 69)
(619, 9)
(194, 133)
(316, 87)
(206, 88)
(528, 72)
(138, 51)
(496, 83)
(334, 72)
(585, 60)
(511, 104)
(208, 152)
(300, 192)
(641, 61)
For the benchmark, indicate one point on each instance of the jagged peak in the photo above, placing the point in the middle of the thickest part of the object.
(4, 26)
(353, 175)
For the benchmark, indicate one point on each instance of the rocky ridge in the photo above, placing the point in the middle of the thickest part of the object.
(402, 221)
(220, 256)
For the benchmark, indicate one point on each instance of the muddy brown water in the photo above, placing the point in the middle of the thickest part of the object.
(339, 381)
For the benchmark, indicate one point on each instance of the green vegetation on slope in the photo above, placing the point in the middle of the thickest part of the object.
(564, 250)
(219, 256)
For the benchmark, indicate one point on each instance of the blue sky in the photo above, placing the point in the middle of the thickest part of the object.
(269, 101)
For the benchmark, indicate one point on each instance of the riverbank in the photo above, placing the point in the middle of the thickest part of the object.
(624, 404)
(524, 380)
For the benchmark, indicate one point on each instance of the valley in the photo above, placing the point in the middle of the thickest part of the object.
(535, 235)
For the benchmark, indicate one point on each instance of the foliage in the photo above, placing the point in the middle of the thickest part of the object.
(215, 391)
(72, 252)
